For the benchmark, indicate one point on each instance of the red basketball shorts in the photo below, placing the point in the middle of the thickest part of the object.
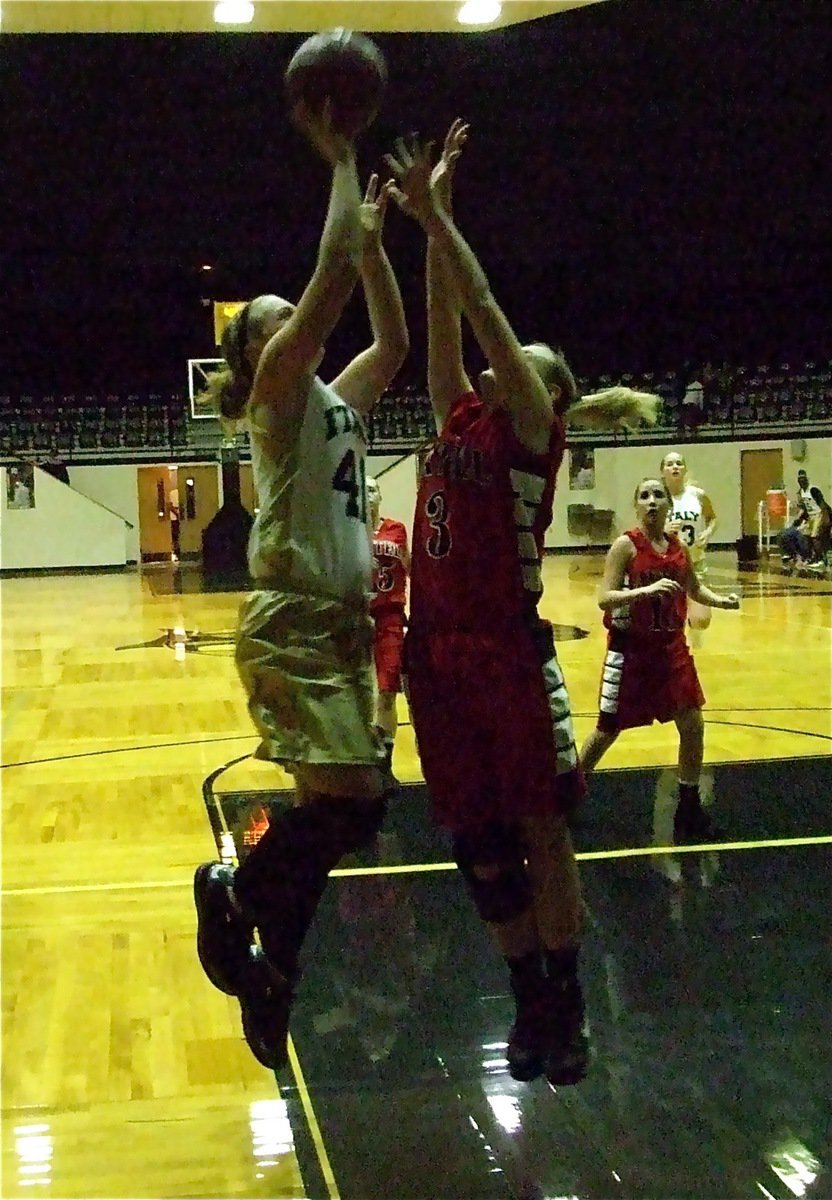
(387, 649)
(493, 726)
(643, 681)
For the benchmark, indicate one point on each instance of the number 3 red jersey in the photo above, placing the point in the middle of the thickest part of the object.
(659, 616)
(389, 574)
(483, 506)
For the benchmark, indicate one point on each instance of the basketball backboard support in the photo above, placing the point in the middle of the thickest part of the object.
(224, 310)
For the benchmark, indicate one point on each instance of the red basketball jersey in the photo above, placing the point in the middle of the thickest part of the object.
(389, 574)
(483, 505)
(659, 616)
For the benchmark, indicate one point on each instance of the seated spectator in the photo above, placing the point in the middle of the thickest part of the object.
(710, 386)
(725, 382)
(693, 405)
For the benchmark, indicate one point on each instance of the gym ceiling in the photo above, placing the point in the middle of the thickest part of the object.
(270, 16)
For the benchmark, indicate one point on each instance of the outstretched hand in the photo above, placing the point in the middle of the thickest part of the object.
(731, 601)
(373, 210)
(442, 175)
(411, 169)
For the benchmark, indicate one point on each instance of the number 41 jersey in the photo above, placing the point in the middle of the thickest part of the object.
(483, 506)
(311, 534)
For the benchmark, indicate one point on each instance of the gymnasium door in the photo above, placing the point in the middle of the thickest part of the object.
(175, 505)
(199, 499)
(760, 470)
(156, 486)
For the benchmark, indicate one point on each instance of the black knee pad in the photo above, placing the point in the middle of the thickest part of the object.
(508, 894)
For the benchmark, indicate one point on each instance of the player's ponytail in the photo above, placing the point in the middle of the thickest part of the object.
(227, 389)
(614, 408)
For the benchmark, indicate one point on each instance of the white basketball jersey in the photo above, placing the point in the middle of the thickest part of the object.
(809, 503)
(311, 532)
(687, 508)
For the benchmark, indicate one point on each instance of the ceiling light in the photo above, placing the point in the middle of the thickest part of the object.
(233, 12)
(479, 12)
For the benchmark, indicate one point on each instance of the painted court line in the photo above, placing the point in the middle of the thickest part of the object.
(312, 1122)
(422, 868)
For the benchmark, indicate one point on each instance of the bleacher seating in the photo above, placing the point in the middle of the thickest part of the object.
(778, 399)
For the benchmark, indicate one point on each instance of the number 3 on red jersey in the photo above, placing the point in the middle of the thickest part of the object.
(438, 543)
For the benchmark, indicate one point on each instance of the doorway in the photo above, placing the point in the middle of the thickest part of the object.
(760, 471)
(175, 505)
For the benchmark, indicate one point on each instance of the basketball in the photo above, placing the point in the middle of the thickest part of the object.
(345, 66)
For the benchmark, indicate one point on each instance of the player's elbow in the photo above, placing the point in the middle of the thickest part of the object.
(341, 259)
(395, 349)
(389, 352)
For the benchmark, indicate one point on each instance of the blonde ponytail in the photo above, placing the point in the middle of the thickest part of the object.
(228, 388)
(226, 393)
(614, 408)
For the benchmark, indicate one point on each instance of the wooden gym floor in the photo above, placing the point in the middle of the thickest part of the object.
(124, 1071)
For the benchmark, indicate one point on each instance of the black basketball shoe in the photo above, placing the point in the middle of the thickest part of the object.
(569, 1047)
(224, 936)
(692, 825)
(265, 1004)
(530, 1033)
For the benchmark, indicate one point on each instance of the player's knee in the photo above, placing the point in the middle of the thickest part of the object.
(492, 863)
(354, 820)
(365, 818)
(691, 723)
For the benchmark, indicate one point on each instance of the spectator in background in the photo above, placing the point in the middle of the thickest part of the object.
(174, 516)
(666, 388)
(20, 486)
(795, 543)
(22, 494)
(693, 405)
(820, 530)
(725, 380)
(710, 386)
